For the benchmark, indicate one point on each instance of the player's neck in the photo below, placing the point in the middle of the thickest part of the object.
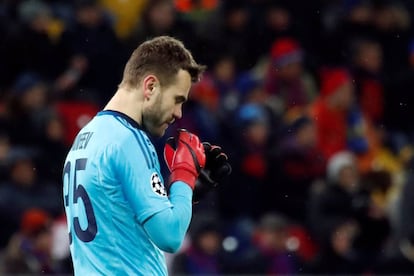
(127, 102)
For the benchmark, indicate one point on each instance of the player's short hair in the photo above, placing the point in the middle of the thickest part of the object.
(162, 56)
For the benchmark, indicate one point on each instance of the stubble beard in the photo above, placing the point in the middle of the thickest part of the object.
(153, 121)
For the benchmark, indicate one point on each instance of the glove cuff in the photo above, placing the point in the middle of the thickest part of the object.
(185, 176)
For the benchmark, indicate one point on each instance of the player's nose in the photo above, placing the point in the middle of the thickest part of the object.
(177, 112)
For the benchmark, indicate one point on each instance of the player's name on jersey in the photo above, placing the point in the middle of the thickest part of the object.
(81, 141)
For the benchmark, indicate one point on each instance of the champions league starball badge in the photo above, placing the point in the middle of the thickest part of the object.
(157, 185)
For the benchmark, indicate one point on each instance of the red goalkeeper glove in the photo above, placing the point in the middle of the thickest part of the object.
(216, 167)
(185, 157)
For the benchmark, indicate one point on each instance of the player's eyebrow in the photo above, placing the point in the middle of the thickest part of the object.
(180, 99)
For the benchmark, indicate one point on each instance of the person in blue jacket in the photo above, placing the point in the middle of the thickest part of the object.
(121, 214)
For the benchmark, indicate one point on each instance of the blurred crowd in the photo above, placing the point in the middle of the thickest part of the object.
(311, 100)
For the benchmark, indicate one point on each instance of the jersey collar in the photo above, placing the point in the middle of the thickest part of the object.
(115, 113)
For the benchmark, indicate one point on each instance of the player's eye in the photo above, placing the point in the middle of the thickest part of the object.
(180, 99)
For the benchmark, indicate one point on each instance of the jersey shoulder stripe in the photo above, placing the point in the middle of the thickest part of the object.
(144, 140)
(140, 143)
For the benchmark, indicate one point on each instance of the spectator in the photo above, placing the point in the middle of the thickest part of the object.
(276, 22)
(125, 15)
(249, 178)
(354, 18)
(400, 262)
(338, 121)
(336, 254)
(160, 17)
(23, 190)
(366, 66)
(29, 250)
(89, 46)
(195, 7)
(393, 30)
(286, 80)
(52, 146)
(240, 253)
(203, 256)
(399, 259)
(224, 76)
(335, 201)
(271, 240)
(295, 166)
(251, 89)
(403, 227)
(29, 47)
(345, 198)
(5, 148)
(25, 109)
(228, 31)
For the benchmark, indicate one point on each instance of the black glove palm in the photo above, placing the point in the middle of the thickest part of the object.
(216, 169)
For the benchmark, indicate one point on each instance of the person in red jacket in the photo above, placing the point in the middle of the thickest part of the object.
(330, 110)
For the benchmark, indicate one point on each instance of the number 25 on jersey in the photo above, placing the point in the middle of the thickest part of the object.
(81, 220)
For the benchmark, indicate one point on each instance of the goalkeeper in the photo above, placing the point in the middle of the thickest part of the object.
(121, 214)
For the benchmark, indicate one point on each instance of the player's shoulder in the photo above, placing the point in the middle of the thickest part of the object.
(107, 123)
(119, 128)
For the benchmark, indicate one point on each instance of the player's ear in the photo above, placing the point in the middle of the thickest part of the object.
(150, 83)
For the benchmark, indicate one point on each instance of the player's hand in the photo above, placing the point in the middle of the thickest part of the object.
(216, 169)
(185, 157)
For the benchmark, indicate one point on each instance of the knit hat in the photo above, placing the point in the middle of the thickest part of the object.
(338, 162)
(26, 81)
(250, 114)
(34, 221)
(332, 79)
(285, 51)
(246, 82)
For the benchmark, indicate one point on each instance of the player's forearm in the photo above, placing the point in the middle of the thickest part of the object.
(168, 227)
